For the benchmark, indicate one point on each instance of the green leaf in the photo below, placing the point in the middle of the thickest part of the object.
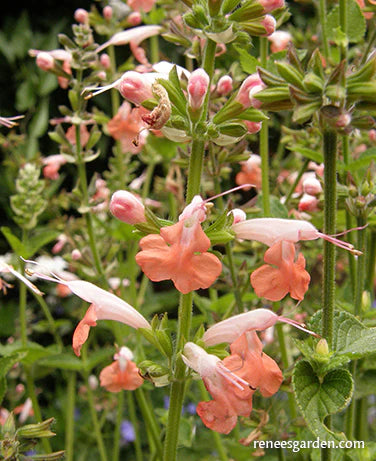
(6, 363)
(64, 361)
(39, 122)
(16, 244)
(364, 160)
(38, 239)
(98, 357)
(248, 62)
(306, 152)
(365, 384)
(356, 24)
(318, 399)
(351, 339)
(31, 353)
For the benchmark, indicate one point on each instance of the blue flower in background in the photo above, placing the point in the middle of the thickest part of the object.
(127, 431)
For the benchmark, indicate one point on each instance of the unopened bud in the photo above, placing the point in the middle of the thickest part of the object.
(308, 203)
(312, 186)
(270, 5)
(238, 214)
(343, 120)
(135, 87)
(135, 18)
(127, 207)
(322, 347)
(105, 61)
(365, 188)
(45, 61)
(279, 40)
(93, 382)
(76, 254)
(224, 85)
(198, 84)
(253, 127)
(81, 16)
(269, 24)
(243, 94)
(107, 12)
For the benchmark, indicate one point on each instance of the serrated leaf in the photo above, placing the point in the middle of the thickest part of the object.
(318, 399)
(356, 24)
(351, 339)
(248, 62)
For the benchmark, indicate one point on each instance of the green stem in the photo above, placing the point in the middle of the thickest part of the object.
(69, 421)
(178, 385)
(286, 364)
(329, 253)
(322, 17)
(371, 262)
(115, 96)
(195, 169)
(133, 419)
(330, 206)
(370, 45)
(222, 456)
(297, 179)
(50, 319)
(360, 267)
(264, 140)
(148, 179)
(119, 418)
(154, 49)
(150, 421)
(22, 301)
(34, 400)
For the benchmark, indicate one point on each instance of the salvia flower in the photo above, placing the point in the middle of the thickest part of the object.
(229, 330)
(103, 306)
(127, 207)
(270, 5)
(141, 5)
(279, 40)
(179, 253)
(135, 35)
(224, 85)
(250, 171)
(122, 374)
(52, 165)
(281, 274)
(243, 96)
(273, 230)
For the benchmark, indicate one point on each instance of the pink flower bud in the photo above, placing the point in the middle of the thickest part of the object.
(253, 127)
(269, 23)
(45, 61)
(372, 135)
(198, 84)
(343, 120)
(141, 5)
(308, 203)
(127, 207)
(105, 61)
(76, 254)
(224, 85)
(312, 186)
(81, 16)
(107, 12)
(243, 93)
(279, 40)
(270, 5)
(135, 87)
(254, 90)
(134, 19)
(239, 215)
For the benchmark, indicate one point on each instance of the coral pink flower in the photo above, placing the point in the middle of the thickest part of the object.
(229, 330)
(232, 396)
(141, 5)
(52, 165)
(308, 203)
(243, 96)
(134, 19)
(121, 374)
(273, 283)
(103, 306)
(84, 135)
(60, 55)
(179, 253)
(126, 126)
(270, 5)
(250, 172)
(274, 230)
(253, 127)
(127, 207)
(135, 35)
(279, 40)
(45, 61)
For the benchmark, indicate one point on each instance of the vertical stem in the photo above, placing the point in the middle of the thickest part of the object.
(264, 141)
(154, 49)
(297, 179)
(69, 421)
(115, 96)
(324, 37)
(371, 262)
(119, 416)
(185, 307)
(149, 418)
(330, 209)
(133, 418)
